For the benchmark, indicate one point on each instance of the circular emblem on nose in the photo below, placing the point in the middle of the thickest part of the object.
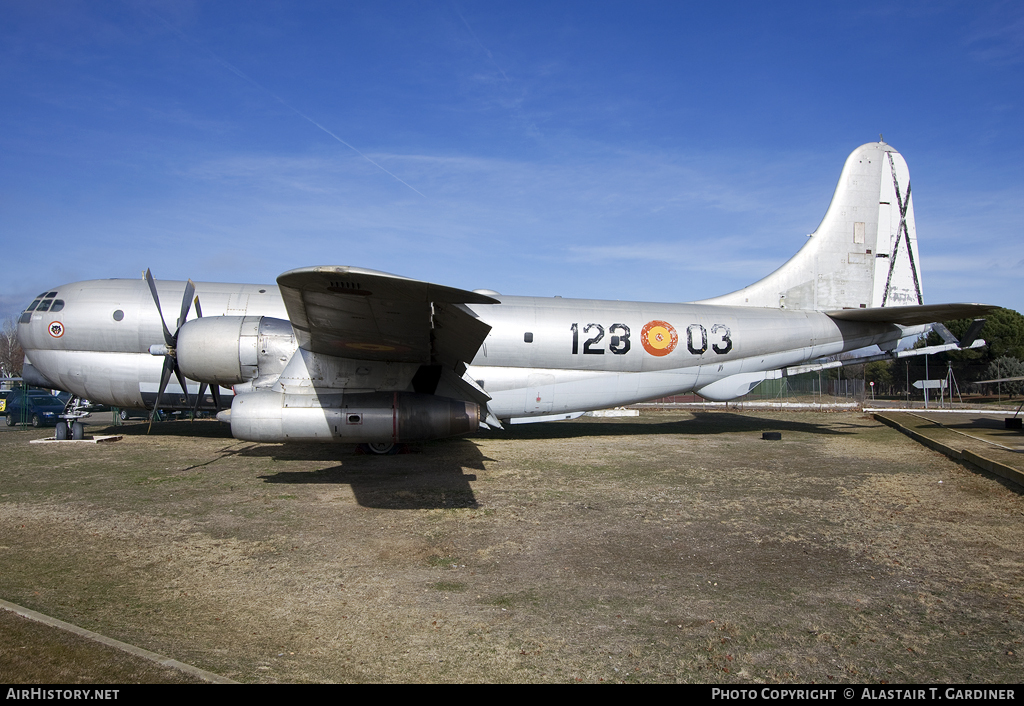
(659, 338)
(56, 329)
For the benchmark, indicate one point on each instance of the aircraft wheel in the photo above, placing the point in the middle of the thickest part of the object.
(36, 421)
(382, 448)
(77, 431)
(61, 432)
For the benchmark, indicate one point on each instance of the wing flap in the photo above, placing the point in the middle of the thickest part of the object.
(460, 388)
(458, 334)
(363, 314)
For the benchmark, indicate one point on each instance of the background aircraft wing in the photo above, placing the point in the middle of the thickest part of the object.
(911, 315)
(986, 382)
(368, 315)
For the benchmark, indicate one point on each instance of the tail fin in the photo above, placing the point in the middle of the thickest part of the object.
(864, 252)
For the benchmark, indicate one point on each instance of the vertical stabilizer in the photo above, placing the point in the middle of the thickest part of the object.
(864, 252)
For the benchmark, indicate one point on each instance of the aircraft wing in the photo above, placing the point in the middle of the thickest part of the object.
(351, 312)
(911, 315)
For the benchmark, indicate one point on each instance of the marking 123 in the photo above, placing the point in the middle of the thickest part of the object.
(618, 345)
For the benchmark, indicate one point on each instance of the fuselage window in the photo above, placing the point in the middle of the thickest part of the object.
(25, 318)
(528, 337)
(118, 315)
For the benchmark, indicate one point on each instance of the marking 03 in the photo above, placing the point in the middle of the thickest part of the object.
(697, 339)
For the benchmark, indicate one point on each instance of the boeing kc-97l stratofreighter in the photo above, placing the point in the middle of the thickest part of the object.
(353, 355)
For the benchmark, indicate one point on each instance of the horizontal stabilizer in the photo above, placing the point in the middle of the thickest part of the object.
(894, 355)
(911, 315)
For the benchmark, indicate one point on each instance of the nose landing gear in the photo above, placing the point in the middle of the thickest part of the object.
(70, 426)
(69, 429)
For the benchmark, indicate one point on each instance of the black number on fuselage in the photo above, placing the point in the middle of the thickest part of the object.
(692, 331)
(619, 344)
(591, 341)
(725, 337)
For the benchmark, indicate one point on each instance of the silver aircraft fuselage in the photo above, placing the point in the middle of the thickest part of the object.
(542, 357)
(340, 353)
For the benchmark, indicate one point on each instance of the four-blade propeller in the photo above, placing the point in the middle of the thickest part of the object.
(168, 349)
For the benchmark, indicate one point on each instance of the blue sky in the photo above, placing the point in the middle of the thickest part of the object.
(646, 151)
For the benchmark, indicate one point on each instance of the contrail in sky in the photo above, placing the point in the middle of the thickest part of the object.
(280, 100)
(486, 50)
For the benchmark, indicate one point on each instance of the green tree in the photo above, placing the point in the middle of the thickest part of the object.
(1006, 367)
(880, 372)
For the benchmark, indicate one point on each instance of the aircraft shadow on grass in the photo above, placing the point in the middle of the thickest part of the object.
(433, 475)
(702, 423)
(422, 477)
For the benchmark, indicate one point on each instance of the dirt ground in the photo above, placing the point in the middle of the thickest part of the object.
(673, 547)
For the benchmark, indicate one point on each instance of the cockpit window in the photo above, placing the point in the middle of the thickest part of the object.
(45, 302)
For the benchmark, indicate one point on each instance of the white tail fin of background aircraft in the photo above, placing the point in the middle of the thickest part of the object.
(864, 252)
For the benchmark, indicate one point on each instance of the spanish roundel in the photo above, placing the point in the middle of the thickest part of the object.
(659, 338)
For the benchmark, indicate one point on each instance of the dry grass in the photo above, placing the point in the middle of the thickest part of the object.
(672, 547)
(32, 653)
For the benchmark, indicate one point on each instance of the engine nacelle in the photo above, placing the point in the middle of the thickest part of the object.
(356, 418)
(230, 350)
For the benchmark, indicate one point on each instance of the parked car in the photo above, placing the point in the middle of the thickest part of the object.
(3, 400)
(5, 394)
(32, 407)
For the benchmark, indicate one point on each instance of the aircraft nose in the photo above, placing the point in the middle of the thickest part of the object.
(40, 314)
(47, 301)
